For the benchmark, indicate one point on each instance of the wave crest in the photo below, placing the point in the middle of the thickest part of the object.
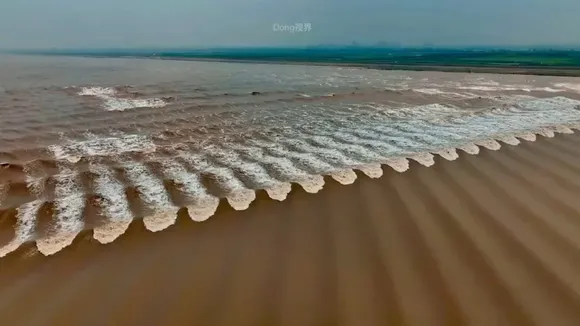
(113, 101)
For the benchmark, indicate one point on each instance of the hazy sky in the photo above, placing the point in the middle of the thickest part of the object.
(139, 23)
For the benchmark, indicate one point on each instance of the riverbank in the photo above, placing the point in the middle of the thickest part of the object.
(493, 61)
(537, 71)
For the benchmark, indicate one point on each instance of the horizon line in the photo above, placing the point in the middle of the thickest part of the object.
(387, 45)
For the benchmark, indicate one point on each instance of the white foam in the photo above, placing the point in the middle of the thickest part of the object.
(365, 138)
(399, 164)
(69, 206)
(240, 199)
(312, 184)
(422, 111)
(238, 196)
(110, 231)
(153, 193)
(202, 212)
(114, 204)
(373, 170)
(190, 184)
(114, 200)
(471, 149)
(161, 220)
(25, 225)
(436, 91)
(279, 191)
(509, 139)
(496, 88)
(283, 167)
(308, 159)
(429, 91)
(74, 150)
(490, 88)
(563, 130)
(526, 135)
(35, 179)
(122, 104)
(450, 154)
(112, 101)
(568, 86)
(425, 159)
(490, 144)
(344, 177)
(547, 132)
(97, 91)
(259, 176)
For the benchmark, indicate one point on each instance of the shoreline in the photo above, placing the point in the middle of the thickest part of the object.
(533, 71)
(565, 71)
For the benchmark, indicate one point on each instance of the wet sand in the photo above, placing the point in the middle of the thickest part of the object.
(517, 70)
(487, 239)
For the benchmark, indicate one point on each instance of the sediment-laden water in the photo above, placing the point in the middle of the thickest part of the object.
(98, 143)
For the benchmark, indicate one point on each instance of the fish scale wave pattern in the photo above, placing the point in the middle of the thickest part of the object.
(105, 183)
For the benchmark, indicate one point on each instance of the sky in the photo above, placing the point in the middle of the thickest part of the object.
(41, 24)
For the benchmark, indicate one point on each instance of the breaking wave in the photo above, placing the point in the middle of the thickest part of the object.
(105, 183)
(113, 101)
(569, 86)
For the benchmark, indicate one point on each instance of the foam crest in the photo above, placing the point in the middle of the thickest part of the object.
(305, 159)
(110, 231)
(490, 144)
(279, 191)
(399, 164)
(312, 184)
(235, 192)
(373, 171)
(35, 179)
(122, 104)
(436, 91)
(153, 193)
(204, 211)
(240, 199)
(25, 226)
(113, 102)
(69, 206)
(190, 184)
(345, 150)
(568, 86)
(282, 167)
(73, 150)
(69, 200)
(97, 91)
(529, 136)
(253, 174)
(546, 132)
(497, 88)
(563, 130)
(112, 192)
(161, 220)
(422, 111)
(449, 154)
(425, 159)
(344, 177)
(471, 149)
(197, 172)
(509, 139)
